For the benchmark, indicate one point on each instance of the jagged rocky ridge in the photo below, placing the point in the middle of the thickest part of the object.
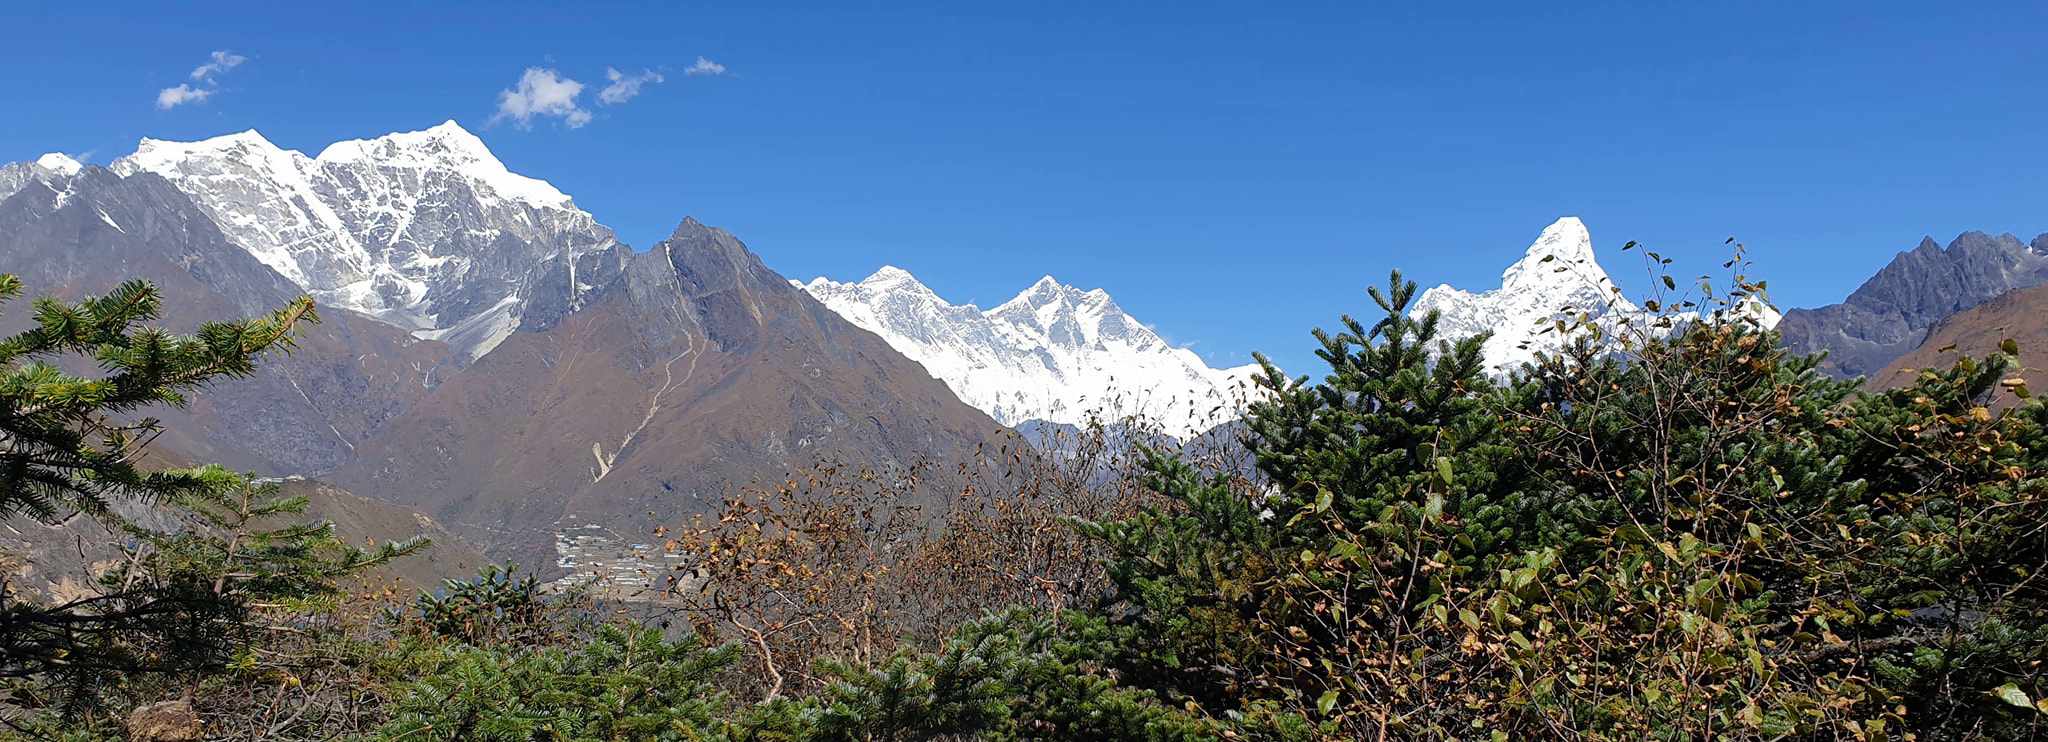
(1558, 277)
(1054, 353)
(1893, 311)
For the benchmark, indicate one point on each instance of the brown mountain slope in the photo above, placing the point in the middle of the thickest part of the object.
(59, 560)
(363, 522)
(2020, 315)
(697, 370)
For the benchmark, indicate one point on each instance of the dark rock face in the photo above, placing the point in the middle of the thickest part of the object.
(58, 231)
(1892, 312)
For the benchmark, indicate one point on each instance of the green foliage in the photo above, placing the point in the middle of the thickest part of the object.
(621, 684)
(245, 541)
(182, 601)
(1392, 488)
(496, 607)
(186, 602)
(70, 446)
(1010, 676)
(1696, 536)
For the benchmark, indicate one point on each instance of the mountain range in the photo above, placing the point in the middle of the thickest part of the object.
(1892, 312)
(1926, 305)
(2020, 315)
(494, 358)
(424, 230)
(633, 387)
(1054, 353)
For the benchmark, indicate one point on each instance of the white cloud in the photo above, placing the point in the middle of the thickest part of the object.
(206, 75)
(221, 61)
(625, 86)
(705, 67)
(169, 98)
(542, 92)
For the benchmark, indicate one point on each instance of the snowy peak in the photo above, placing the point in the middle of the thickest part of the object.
(1557, 278)
(59, 163)
(450, 147)
(53, 170)
(426, 230)
(152, 151)
(262, 198)
(1049, 291)
(162, 155)
(1054, 353)
(1063, 315)
(1565, 244)
(446, 141)
(892, 278)
(888, 273)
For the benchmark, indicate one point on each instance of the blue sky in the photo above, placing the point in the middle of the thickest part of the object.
(1233, 173)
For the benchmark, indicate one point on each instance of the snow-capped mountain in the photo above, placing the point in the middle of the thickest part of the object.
(53, 167)
(1557, 278)
(1053, 353)
(426, 230)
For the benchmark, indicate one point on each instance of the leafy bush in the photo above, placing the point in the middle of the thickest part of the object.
(1698, 536)
(623, 683)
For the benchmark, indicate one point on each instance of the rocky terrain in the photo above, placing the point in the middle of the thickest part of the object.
(1892, 312)
(696, 371)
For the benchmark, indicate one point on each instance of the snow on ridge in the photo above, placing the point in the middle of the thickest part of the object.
(411, 228)
(53, 170)
(446, 145)
(59, 163)
(1558, 277)
(246, 166)
(1053, 353)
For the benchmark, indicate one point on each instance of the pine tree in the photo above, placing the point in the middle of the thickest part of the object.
(182, 600)
(1388, 486)
(72, 441)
